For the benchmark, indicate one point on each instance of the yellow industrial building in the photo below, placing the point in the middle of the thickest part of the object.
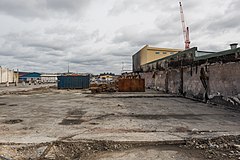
(149, 54)
(106, 77)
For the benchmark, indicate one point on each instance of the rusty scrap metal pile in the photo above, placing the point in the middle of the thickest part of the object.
(103, 87)
(125, 83)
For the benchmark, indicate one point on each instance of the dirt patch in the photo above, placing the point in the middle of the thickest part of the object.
(168, 116)
(152, 116)
(101, 117)
(71, 121)
(77, 112)
(92, 123)
(85, 150)
(32, 91)
(11, 105)
(74, 117)
(13, 121)
(182, 129)
(168, 152)
(142, 96)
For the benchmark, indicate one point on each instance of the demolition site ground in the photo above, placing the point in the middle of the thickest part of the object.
(46, 123)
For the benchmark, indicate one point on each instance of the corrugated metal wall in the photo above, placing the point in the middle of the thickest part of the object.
(7, 75)
(73, 82)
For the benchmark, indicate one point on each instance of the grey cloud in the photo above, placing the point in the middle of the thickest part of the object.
(56, 53)
(121, 54)
(96, 35)
(41, 42)
(7, 53)
(86, 59)
(226, 23)
(10, 49)
(66, 5)
(229, 19)
(166, 6)
(134, 5)
(21, 9)
(38, 59)
(63, 30)
(88, 62)
(28, 57)
(46, 47)
(120, 51)
(213, 47)
(234, 6)
(41, 8)
(162, 23)
(23, 50)
(152, 36)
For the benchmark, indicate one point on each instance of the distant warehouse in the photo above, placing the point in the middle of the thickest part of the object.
(149, 54)
(49, 78)
(29, 76)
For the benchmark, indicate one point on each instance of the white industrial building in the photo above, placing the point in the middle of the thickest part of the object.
(49, 78)
(8, 76)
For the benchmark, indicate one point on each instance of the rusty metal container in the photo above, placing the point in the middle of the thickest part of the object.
(131, 85)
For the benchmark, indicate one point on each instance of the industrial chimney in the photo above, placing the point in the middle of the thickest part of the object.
(233, 45)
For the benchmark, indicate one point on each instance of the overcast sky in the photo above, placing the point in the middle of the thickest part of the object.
(99, 35)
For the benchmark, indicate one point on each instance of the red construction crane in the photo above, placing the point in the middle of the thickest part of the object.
(185, 29)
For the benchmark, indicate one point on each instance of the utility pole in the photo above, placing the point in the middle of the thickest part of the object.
(68, 68)
(122, 67)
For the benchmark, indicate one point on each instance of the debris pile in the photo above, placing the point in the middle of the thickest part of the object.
(103, 87)
(225, 147)
(61, 150)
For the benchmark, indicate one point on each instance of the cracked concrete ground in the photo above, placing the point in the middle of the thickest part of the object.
(73, 116)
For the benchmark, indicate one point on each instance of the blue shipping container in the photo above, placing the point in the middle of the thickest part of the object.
(73, 82)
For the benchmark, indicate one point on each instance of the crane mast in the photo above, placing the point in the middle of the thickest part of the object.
(185, 29)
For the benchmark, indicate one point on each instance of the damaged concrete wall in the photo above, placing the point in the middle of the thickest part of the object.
(160, 80)
(174, 80)
(223, 82)
(155, 80)
(225, 79)
(167, 81)
(192, 85)
(149, 80)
